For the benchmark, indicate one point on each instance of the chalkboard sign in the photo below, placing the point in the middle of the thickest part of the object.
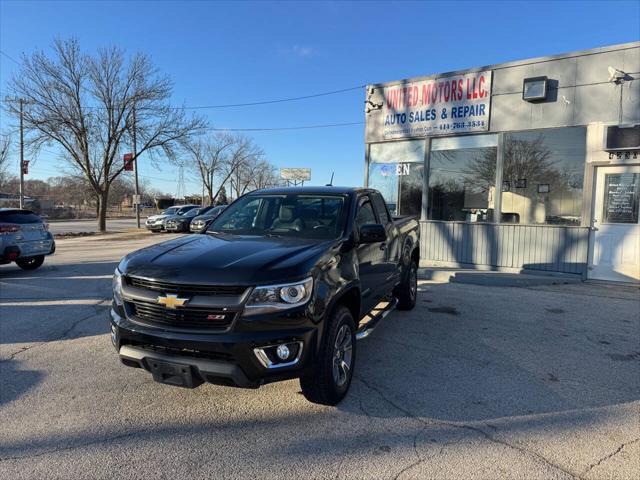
(621, 194)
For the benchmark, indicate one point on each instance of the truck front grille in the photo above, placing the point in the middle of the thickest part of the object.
(188, 318)
(184, 289)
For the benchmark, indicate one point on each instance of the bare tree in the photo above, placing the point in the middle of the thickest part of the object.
(528, 159)
(210, 159)
(5, 146)
(264, 175)
(247, 162)
(85, 104)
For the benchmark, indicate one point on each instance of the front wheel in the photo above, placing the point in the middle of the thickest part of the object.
(328, 382)
(407, 291)
(30, 263)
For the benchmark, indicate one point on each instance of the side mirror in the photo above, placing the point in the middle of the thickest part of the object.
(372, 233)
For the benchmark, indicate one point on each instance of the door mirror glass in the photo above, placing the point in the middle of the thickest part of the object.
(372, 233)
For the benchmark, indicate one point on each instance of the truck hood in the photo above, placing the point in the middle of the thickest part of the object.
(222, 259)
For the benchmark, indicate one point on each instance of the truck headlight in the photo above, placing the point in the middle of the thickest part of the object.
(279, 297)
(116, 283)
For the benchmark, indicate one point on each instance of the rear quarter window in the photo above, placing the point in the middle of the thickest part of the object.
(19, 217)
(381, 208)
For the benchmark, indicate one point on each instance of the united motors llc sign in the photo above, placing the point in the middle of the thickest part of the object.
(440, 106)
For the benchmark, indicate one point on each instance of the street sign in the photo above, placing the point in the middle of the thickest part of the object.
(296, 174)
(128, 161)
(136, 199)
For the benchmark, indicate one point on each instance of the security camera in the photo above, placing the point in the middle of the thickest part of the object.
(617, 76)
(371, 90)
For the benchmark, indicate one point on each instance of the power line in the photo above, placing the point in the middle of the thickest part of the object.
(235, 105)
(280, 100)
(10, 58)
(273, 129)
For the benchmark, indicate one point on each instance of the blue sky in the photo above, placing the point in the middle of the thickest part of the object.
(220, 53)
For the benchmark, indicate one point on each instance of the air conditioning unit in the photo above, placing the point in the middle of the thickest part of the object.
(621, 138)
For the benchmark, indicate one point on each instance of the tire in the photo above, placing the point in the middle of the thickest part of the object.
(407, 291)
(30, 263)
(328, 382)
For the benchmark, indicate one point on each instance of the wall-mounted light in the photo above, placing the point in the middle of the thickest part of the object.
(535, 89)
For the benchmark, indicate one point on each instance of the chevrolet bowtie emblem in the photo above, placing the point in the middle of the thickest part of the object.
(172, 301)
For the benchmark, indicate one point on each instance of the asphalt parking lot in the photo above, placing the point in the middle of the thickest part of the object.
(476, 382)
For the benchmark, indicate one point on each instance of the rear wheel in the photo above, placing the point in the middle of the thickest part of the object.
(407, 291)
(30, 263)
(330, 378)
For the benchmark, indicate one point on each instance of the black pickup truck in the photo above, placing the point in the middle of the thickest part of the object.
(280, 286)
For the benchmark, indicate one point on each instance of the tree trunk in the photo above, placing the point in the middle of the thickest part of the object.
(102, 211)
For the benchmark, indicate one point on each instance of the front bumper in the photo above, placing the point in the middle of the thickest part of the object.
(154, 227)
(226, 358)
(175, 227)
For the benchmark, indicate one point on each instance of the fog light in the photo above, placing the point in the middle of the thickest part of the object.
(283, 352)
(276, 356)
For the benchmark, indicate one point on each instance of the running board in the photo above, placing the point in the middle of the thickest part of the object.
(373, 318)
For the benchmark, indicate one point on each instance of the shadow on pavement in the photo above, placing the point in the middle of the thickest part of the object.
(54, 302)
(22, 381)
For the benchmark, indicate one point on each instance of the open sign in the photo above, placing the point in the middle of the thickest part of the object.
(403, 169)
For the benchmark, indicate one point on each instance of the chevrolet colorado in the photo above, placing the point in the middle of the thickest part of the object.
(279, 286)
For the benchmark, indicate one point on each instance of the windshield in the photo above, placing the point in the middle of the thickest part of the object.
(192, 213)
(184, 210)
(302, 216)
(170, 211)
(215, 211)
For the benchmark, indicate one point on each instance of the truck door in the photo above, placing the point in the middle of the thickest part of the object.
(371, 257)
(393, 248)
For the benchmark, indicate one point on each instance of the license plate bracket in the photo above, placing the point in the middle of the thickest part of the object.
(176, 374)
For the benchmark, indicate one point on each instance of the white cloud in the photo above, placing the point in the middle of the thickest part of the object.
(299, 51)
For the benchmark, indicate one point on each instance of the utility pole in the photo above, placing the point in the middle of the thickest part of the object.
(135, 169)
(21, 154)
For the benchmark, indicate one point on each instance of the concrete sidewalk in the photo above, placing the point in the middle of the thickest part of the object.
(498, 278)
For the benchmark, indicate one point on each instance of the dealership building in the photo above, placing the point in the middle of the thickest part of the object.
(531, 165)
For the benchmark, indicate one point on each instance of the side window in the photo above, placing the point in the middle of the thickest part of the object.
(365, 214)
(381, 208)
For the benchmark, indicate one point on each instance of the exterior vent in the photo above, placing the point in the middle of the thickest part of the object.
(623, 137)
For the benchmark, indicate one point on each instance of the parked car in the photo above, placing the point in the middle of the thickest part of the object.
(180, 223)
(204, 219)
(155, 223)
(278, 287)
(24, 238)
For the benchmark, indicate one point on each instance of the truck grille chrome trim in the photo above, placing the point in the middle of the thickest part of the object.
(185, 289)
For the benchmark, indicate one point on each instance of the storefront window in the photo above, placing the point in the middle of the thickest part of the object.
(396, 169)
(462, 172)
(542, 177)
